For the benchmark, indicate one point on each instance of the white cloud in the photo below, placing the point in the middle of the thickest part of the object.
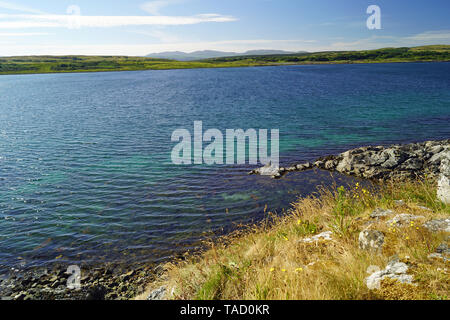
(16, 7)
(22, 21)
(154, 7)
(365, 43)
(376, 42)
(23, 34)
(442, 35)
(162, 36)
(144, 49)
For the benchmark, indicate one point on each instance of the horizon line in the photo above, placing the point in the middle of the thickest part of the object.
(236, 52)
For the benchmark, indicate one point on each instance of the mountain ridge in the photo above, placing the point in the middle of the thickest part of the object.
(208, 54)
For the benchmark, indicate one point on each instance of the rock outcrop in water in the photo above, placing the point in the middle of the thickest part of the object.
(385, 163)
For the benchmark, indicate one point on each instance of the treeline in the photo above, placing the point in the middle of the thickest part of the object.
(402, 54)
(15, 67)
(88, 65)
(51, 64)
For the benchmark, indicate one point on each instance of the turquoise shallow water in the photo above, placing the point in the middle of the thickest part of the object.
(85, 170)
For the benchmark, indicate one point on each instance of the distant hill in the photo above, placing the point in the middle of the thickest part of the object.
(268, 52)
(208, 54)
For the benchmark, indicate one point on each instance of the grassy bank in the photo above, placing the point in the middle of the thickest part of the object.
(63, 64)
(271, 260)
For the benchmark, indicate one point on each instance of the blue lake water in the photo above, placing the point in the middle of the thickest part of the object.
(85, 169)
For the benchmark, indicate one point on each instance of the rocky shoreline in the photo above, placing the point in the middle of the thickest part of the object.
(111, 282)
(400, 161)
(426, 159)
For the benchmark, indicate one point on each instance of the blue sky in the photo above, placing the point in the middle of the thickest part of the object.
(139, 27)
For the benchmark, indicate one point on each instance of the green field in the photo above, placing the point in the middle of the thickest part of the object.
(55, 64)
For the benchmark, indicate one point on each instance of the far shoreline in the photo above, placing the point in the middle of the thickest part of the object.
(226, 67)
(49, 64)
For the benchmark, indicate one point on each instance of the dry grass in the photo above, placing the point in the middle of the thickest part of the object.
(269, 261)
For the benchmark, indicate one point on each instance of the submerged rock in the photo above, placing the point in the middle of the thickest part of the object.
(303, 166)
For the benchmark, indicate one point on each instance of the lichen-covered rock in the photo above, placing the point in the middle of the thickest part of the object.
(394, 270)
(438, 225)
(158, 294)
(324, 236)
(443, 189)
(379, 212)
(403, 220)
(371, 240)
(385, 163)
(438, 256)
(268, 170)
(442, 253)
(438, 157)
(443, 248)
(424, 208)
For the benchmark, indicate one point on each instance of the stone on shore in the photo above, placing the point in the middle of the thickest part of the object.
(324, 236)
(379, 212)
(442, 253)
(267, 170)
(158, 294)
(384, 163)
(438, 225)
(110, 282)
(443, 190)
(403, 220)
(394, 270)
(371, 240)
